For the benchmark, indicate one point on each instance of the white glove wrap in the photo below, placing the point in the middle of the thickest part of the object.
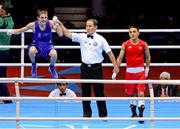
(146, 71)
(55, 20)
(114, 76)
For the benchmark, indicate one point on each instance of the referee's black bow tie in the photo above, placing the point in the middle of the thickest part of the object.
(90, 36)
(61, 94)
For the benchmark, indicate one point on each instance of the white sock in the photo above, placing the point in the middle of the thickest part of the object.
(141, 102)
(133, 102)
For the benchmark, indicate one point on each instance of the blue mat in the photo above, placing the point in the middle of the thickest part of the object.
(49, 108)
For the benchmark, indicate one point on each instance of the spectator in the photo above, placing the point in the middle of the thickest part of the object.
(62, 90)
(6, 22)
(164, 90)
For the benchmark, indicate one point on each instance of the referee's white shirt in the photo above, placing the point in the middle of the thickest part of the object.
(91, 49)
(57, 92)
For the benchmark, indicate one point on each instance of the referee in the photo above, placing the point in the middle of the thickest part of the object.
(92, 46)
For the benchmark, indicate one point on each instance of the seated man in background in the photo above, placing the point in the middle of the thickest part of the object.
(62, 90)
(163, 90)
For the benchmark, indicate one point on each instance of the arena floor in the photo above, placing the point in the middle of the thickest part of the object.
(59, 108)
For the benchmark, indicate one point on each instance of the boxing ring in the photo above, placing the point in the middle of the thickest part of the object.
(66, 113)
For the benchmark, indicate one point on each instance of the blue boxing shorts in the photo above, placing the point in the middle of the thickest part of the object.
(43, 48)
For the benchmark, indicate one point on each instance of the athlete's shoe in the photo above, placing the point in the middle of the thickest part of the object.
(134, 115)
(53, 72)
(141, 121)
(141, 110)
(133, 110)
(34, 70)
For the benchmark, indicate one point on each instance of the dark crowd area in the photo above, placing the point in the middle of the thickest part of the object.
(111, 14)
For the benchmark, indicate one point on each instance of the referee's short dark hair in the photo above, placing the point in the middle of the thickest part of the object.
(94, 21)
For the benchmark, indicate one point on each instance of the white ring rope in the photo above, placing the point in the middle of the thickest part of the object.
(78, 64)
(86, 119)
(126, 30)
(77, 47)
(35, 80)
(89, 98)
(115, 30)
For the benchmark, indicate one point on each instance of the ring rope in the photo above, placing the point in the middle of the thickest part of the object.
(114, 30)
(77, 47)
(36, 80)
(95, 118)
(78, 64)
(90, 98)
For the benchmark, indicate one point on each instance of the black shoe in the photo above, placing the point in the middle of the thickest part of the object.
(7, 101)
(133, 110)
(141, 110)
(86, 115)
(134, 115)
(102, 115)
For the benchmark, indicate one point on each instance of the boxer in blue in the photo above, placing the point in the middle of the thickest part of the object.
(42, 45)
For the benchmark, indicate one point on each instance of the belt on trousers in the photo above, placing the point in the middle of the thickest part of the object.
(91, 65)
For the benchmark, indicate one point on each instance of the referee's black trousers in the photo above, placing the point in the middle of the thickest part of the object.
(92, 72)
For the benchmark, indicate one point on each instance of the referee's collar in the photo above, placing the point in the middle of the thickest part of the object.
(93, 34)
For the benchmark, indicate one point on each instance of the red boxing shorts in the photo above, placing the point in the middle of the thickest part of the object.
(135, 88)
